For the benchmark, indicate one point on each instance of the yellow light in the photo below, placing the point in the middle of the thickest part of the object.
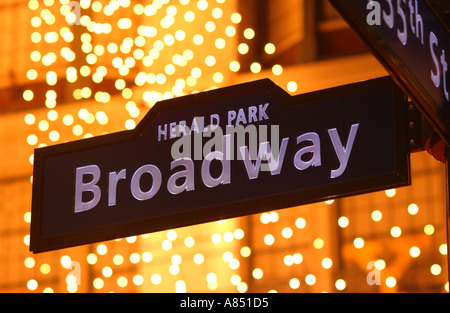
(391, 282)
(43, 125)
(32, 284)
(32, 74)
(92, 258)
(29, 262)
(28, 95)
(218, 77)
(147, 257)
(66, 261)
(220, 43)
(340, 284)
(310, 279)
(102, 249)
(292, 86)
(297, 258)
(249, 33)
(166, 245)
(288, 260)
(429, 229)
(255, 67)
(343, 222)
(217, 13)
(413, 209)
(300, 223)
(390, 193)
(98, 283)
(245, 252)
(443, 249)
(235, 66)
(138, 280)
(358, 243)
(118, 259)
(243, 48)
(107, 271)
(32, 139)
(239, 234)
(269, 239)
(135, 258)
(257, 273)
(198, 39)
(77, 130)
(414, 252)
(210, 26)
(294, 283)
(236, 18)
(287, 232)
(202, 5)
(318, 243)
(380, 264)
(189, 16)
(377, 215)
(122, 281)
(269, 48)
(327, 263)
(210, 60)
(199, 258)
(216, 238)
(51, 78)
(396, 231)
(277, 70)
(242, 287)
(435, 269)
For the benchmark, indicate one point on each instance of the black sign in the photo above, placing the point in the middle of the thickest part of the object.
(220, 154)
(411, 39)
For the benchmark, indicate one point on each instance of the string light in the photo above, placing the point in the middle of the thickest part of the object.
(167, 59)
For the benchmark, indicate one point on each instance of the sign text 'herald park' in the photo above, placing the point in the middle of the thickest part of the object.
(220, 154)
(411, 38)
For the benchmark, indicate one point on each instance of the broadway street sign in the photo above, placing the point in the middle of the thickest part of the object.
(220, 154)
(411, 39)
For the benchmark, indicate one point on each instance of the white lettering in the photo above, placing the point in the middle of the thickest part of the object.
(314, 149)
(343, 153)
(91, 187)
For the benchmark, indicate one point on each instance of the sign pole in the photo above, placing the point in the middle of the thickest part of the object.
(447, 174)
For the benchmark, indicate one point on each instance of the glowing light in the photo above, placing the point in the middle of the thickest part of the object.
(300, 223)
(310, 279)
(318, 243)
(435, 269)
(358, 243)
(102, 249)
(199, 258)
(343, 222)
(287, 232)
(327, 263)
(413, 209)
(269, 48)
(376, 216)
(391, 282)
(390, 193)
(294, 283)
(257, 273)
(396, 231)
(429, 229)
(414, 252)
(245, 252)
(340, 284)
(269, 239)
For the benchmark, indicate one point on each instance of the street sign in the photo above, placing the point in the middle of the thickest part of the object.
(411, 39)
(220, 154)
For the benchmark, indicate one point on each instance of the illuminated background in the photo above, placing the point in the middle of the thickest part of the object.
(65, 77)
